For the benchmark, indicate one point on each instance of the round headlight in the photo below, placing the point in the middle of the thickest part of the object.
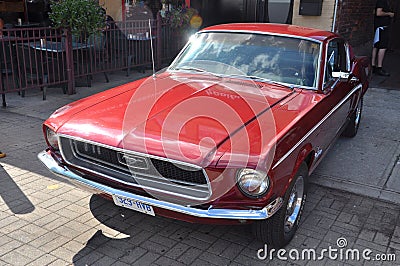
(52, 138)
(251, 182)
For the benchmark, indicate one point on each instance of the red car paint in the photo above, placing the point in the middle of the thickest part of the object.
(157, 116)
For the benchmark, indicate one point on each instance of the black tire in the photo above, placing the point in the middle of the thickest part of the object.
(275, 231)
(352, 127)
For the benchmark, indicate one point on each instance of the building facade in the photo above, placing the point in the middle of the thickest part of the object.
(353, 19)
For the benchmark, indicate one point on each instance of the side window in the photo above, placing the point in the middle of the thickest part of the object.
(348, 59)
(336, 59)
(333, 56)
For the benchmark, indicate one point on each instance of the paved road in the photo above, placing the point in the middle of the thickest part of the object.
(46, 221)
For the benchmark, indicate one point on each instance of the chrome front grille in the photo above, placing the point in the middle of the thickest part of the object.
(141, 170)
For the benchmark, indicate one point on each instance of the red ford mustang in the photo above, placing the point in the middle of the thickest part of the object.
(229, 133)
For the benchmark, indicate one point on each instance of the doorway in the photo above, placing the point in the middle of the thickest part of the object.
(273, 11)
(280, 11)
(227, 11)
(395, 28)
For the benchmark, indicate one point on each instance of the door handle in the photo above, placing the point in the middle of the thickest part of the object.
(354, 79)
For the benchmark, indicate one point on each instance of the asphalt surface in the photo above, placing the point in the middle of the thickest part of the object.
(355, 194)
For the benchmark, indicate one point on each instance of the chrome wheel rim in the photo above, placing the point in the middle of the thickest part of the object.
(294, 204)
(358, 114)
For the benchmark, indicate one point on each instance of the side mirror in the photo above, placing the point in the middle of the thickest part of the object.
(344, 76)
(341, 75)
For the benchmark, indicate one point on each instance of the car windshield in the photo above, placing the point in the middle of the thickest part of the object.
(266, 57)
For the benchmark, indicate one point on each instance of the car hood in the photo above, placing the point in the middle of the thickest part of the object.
(180, 116)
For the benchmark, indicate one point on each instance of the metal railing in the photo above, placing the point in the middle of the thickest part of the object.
(43, 57)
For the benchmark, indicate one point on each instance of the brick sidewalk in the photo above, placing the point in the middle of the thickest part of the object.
(44, 221)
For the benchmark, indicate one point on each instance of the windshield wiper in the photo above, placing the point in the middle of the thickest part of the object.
(191, 69)
(256, 78)
(196, 69)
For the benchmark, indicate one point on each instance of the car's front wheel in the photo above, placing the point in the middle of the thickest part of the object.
(278, 230)
(354, 123)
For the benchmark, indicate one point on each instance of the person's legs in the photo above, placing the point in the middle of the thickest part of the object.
(381, 56)
(381, 47)
(378, 69)
(373, 59)
(376, 47)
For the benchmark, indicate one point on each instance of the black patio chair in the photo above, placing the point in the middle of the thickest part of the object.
(35, 68)
(9, 75)
(99, 55)
(118, 49)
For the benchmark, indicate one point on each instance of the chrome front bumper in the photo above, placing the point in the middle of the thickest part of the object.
(95, 187)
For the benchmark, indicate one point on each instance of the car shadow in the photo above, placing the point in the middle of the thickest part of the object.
(134, 234)
(23, 140)
(12, 195)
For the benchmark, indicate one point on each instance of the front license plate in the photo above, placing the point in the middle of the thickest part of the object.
(133, 204)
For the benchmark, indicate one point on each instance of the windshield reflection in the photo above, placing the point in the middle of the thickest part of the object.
(282, 59)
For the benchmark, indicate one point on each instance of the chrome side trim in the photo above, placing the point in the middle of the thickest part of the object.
(211, 213)
(317, 125)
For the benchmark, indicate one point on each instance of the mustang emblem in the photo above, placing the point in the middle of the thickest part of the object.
(133, 161)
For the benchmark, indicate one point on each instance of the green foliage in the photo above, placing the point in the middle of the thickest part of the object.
(180, 17)
(80, 16)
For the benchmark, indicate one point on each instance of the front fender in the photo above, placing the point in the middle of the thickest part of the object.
(361, 68)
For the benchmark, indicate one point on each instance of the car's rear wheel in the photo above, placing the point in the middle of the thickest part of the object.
(354, 123)
(278, 230)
